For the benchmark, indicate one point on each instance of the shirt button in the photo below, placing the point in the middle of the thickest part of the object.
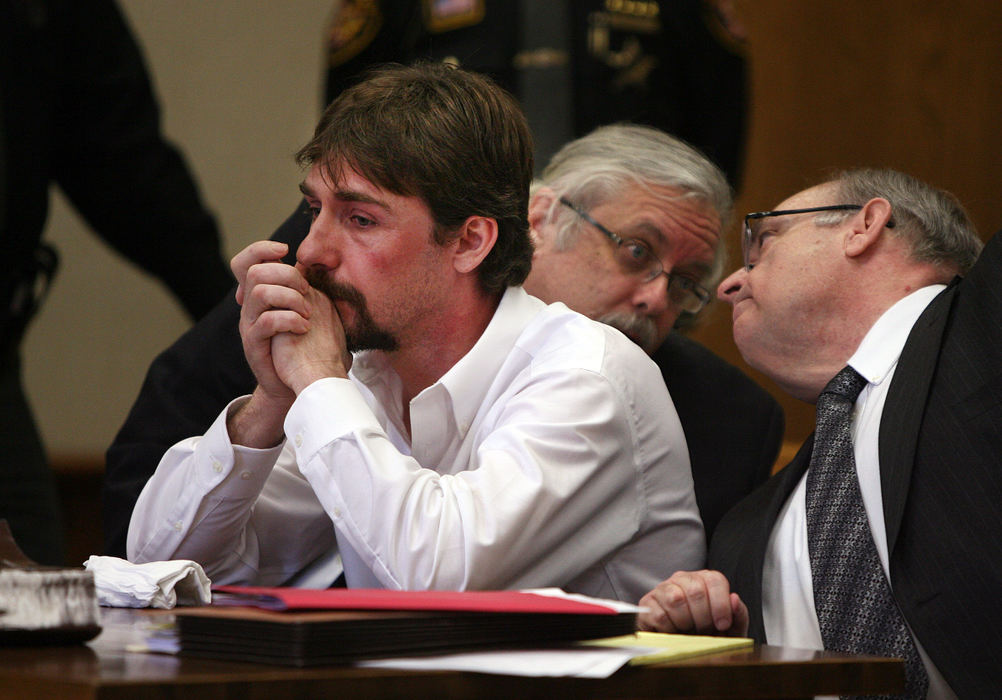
(178, 526)
(245, 476)
(217, 466)
(299, 440)
(337, 512)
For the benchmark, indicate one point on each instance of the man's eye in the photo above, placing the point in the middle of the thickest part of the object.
(764, 237)
(361, 221)
(314, 213)
(638, 252)
(686, 283)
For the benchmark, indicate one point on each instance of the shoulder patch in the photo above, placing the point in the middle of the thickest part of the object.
(446, 15)
(353, 28)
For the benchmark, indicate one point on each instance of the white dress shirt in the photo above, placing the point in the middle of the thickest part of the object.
(549, 455)
(787, 587)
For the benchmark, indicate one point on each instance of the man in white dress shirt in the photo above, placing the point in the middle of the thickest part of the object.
(419, 420)
(879, 272)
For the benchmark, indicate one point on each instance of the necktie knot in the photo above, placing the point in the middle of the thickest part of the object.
(846, 384)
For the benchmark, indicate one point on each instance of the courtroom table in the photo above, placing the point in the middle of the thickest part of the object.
(103, 669)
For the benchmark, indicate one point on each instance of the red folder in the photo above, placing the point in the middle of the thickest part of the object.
(382, 599)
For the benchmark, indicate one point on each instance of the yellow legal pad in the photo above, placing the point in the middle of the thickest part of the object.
(671, 647)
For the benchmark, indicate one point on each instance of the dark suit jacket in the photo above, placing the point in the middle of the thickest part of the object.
(734, 428)
(941, 481)
(732, 425)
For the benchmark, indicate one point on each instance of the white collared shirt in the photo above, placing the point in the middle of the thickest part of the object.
(549, 455)
(787, 588)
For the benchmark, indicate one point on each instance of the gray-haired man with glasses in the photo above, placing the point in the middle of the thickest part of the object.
(881, 536)
(635, 257)
(626, 223)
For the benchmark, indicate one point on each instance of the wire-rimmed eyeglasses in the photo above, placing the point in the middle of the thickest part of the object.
(637, 258)
(751, 235)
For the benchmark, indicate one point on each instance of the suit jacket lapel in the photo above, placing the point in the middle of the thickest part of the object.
(905, 407)
(745, 547)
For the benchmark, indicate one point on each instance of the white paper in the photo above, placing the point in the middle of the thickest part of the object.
(583, 662)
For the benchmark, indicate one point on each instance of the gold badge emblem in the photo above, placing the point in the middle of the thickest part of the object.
(613, 39)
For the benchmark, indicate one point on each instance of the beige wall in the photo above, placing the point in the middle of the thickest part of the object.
(240, 83)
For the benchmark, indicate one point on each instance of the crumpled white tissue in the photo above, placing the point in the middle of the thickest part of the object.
(156, 584)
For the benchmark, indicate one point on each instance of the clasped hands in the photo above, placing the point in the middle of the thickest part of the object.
(291, 335)
(694, 602)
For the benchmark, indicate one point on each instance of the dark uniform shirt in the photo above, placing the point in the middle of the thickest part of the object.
(673, 65)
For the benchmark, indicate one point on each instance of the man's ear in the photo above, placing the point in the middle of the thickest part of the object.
(540, 205)
(477, 236)
(868, 225)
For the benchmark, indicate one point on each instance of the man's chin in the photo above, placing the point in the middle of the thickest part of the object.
(370, 338)
(345, 311)
(640, 330)
(744, 340)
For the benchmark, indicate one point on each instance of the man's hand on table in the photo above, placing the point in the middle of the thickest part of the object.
(694, 602)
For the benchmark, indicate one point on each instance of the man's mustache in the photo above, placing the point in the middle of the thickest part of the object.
(335, 291)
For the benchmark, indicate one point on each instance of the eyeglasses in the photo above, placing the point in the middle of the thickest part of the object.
(637, 258)
(751, 238)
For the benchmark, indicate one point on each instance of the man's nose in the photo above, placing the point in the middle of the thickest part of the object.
(319, 248)
(728, 289)
(651, 298)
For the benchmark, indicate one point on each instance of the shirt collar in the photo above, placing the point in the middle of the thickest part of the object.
(877, 355)
(468, 381)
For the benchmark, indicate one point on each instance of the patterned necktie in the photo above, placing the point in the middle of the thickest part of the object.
(856, 609)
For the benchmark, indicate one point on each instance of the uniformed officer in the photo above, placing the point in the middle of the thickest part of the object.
(574, 64)
(77, 110)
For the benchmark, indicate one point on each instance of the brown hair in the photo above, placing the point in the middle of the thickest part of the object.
(450, 137)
